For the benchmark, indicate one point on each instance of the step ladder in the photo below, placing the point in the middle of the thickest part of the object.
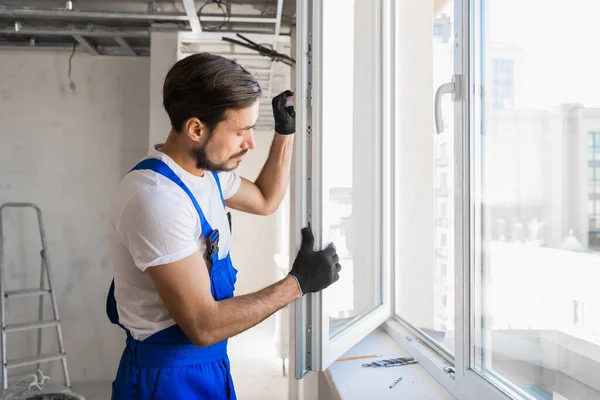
(41, 292)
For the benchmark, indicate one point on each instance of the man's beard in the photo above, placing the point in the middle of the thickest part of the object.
(202, 161)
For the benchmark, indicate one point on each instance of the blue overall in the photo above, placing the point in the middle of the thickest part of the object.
(167, 365)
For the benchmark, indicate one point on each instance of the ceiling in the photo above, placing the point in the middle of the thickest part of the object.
(124, 27)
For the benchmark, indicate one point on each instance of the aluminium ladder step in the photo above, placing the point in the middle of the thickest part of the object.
(32, 325)
(26, 292)
(39, 291)
(23, 362)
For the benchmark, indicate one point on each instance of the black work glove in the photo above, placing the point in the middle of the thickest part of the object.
(285, 117)
(315, 270)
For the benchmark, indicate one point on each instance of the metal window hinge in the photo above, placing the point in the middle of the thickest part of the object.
(449, 371)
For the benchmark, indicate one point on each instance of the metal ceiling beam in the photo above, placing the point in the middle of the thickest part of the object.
(125, 46)
(51, 31)
(192, 14)
(86, 45)
(141, 51)
(105, 50)
(240, 18)
(278, 17)
(128, 16)
(87, 15)
(275, 48)
(216, 37)
(39, 47)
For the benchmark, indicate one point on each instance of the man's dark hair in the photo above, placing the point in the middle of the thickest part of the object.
(205, 86)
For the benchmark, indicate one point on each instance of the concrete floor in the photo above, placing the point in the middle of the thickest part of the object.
(257, 372)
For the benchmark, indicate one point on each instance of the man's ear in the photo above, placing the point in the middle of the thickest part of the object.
(195, 129)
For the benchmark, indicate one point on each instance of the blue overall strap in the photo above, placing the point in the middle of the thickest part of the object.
(216, 176)
(160, 167)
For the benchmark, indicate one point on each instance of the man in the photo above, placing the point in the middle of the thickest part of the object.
(169, 236)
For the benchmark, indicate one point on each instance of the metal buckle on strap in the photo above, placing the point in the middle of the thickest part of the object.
(212, 244)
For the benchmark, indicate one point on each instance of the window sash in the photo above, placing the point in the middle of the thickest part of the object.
(314, 349)
(455, 372)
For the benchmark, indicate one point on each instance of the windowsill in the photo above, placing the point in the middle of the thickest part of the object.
(350, 380)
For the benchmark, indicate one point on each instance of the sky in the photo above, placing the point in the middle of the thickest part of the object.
(560, 42)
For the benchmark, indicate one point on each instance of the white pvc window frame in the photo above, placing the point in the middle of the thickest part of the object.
(314, 349)
(454, 371)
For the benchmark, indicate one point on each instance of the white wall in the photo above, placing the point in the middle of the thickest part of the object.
(253, 239)
(164, 52)
(67, 151)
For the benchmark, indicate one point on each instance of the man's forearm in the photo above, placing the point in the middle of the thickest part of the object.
(235, 315)
(275, 175)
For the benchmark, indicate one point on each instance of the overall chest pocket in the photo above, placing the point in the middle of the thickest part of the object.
(223, 276)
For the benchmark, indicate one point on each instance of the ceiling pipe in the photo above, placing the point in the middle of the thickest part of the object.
(117, 15)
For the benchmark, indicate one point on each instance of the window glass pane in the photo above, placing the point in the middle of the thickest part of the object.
(425, 289)
(351, 157)
(537, 263)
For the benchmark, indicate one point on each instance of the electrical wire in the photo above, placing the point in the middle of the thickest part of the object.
(265, 12)
(275, 56)
(225, 8)
(262, 50)
(71, 83)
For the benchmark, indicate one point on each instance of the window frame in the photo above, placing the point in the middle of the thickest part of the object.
(425, 348)
(333, 347)
(314, 349)
(454, 372)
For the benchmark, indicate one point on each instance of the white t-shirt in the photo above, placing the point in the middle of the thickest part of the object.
(153, 222)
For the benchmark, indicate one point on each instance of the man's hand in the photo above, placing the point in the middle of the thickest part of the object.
(285, 117)
(315, 270)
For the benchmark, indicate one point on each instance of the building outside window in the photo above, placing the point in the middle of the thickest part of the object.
(594, 189)
(503, 83)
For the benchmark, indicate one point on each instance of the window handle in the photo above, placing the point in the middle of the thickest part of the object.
(447, 88)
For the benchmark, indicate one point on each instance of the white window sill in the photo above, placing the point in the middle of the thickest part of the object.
(349, 380)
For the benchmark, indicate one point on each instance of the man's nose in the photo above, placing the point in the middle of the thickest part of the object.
(250, 143)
